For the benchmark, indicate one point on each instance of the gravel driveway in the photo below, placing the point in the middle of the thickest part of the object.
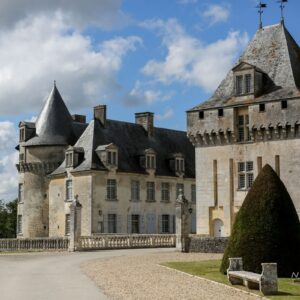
(141, 277)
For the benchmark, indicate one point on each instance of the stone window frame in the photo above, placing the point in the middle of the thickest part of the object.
(19, 224)
(150, 191)
(165, 192)
(67, 224)
(245, 175)
(111, 189)
(135, 190)
(135, 223)
(112, 223)
(69, 190)
(165, 223)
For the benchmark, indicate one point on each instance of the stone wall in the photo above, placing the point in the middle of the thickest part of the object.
(207, 244)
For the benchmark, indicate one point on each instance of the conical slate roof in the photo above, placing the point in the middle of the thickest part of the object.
(274, 51)
(54, 123)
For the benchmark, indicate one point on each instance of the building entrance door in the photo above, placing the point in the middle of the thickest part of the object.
(218, 228)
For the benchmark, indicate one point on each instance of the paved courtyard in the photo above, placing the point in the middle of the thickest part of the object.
(118, 274)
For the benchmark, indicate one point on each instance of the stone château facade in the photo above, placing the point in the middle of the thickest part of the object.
(124, 177)
(253, 118)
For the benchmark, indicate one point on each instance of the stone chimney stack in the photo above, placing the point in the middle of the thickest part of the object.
(146, 119)
(100, 114)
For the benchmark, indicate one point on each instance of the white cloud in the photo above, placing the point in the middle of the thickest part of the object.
(8, 159)
(40, 49)
(106, 14)
(190, 61)
(169, 112)
(216, 13)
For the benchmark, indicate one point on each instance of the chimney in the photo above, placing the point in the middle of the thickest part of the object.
(100, 114)
(146, 119)
(79, 118)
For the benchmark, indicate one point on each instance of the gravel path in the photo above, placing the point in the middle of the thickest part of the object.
(141, 277)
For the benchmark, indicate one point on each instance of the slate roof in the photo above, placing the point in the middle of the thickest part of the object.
(274, 51)
(131, 140)
(54, 125)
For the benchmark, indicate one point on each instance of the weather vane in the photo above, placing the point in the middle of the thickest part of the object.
(282, 6)
(261, 7)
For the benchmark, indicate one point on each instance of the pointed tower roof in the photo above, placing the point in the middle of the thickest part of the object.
(274, 51)
(54, 123)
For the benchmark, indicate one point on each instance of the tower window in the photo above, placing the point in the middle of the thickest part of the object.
(220, 112)
(201, 114)
(284, 104)
(245, 175)
(262, 107)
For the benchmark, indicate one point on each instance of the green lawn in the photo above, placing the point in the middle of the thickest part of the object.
(210, 270)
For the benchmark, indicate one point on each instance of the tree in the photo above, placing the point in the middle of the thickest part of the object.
(266, 228)
(8, 219)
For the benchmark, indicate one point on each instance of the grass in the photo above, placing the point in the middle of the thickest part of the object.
(287, 289)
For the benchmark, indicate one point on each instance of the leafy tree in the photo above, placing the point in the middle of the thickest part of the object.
(8, 219)
(266, 228)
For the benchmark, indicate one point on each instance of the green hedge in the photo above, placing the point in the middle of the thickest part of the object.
(266, 228)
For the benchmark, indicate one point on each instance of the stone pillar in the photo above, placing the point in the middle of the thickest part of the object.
(75, 224)
(183, 222)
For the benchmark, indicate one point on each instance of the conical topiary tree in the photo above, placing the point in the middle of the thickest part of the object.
(266, 228)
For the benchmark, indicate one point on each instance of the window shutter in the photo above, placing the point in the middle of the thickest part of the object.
(129, 224)
(160, 223)
(105, 223)
(119, 224)
(142, 224)
(193, 222)
(171, 224)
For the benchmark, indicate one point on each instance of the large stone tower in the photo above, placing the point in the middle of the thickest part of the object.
(42, 149)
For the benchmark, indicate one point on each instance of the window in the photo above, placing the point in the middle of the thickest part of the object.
(150, 191)
(193, 193)
(135, 224)
(150, 161)
(220, 112)
(135, 190)
(21, 192)
(69, 190)
(179, 165)
(165, 225)
(69, 159)
(111, 189)
(165, 192)
(245, 175)
(243, 128)
(239, 85)
(247, 83)
(68, 224)
(112, 158)
(201, 114)
(22, 134)
(112, 223)
(19, 224)
(21, 157)
(262, 107)
(179, 186)
(284, 104)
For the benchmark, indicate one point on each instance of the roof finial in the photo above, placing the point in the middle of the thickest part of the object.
(260, 7)
(282, 6)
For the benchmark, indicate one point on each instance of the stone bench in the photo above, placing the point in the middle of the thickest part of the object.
(266, 282)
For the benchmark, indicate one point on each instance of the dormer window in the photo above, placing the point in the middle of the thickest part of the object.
(112, 157)
(74, 155)
(22, 134)
(148, 160)
(69, 159)
(239, 85)
(108, 155)
(248, 78)
(180, 165)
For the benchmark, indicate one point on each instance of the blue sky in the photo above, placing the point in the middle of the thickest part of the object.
(164, 56)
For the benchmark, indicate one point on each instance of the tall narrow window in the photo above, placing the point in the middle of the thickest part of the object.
(112, 158)
(111, 189)
(150, 191)
(179, 186)
(165, 226)
(69, 159)
(68, 224)
(248, 80)
(179, 165)
(245, 175)
(112, 223)
(135, 190)
(19, 224)
(135, 223)
(21, 192)
(165, 192)
(69, 190)
(239, 85)
(22, 134)
(150, 161)
(243, 128)
(193, 193)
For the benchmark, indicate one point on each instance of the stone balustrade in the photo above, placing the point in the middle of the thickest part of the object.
(116, 241)
(35, 244)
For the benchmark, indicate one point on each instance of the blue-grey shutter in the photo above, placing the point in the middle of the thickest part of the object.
(119, 224)
(105, 223)
(171, 223)
(160, 224)
(142, 224)
(129, 224)
(194, 222)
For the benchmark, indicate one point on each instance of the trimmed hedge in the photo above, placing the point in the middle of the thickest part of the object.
(266, 228)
